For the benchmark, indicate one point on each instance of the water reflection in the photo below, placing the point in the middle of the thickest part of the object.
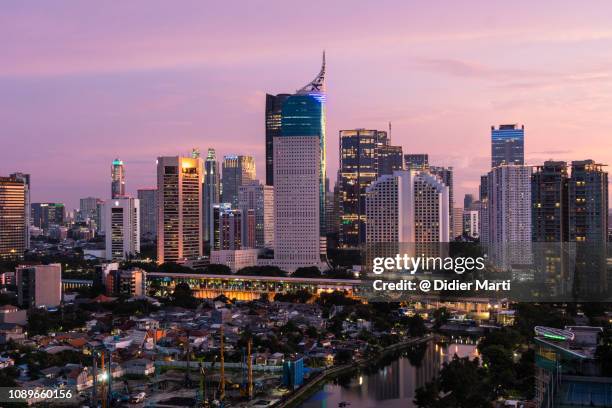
(391, 383)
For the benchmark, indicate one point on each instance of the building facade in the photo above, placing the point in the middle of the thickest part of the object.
(237, 171)
(13, 218)
(122, 229)
(211, 190)
(507, 145)
(179, 206)
(258, 198)
(39, 286)
(117, 179)
(148, 213)
(45, 215)
(274, 110)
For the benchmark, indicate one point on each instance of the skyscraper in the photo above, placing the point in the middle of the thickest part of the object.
(445, 174)
(468, 200)
(12, 217)
(274, 109)
(296, 201)
(408, 206)
(507, 145)
(588, 202)
(148, 213)
(89, 208)
(509, 212)
(211, 190)
(117, 179)
(365, 155)
(179, 197)
(227, 227)
(549, 212)
(301, 114)
(237, 171)
(25, 179)
(258, 198)
(122, 229)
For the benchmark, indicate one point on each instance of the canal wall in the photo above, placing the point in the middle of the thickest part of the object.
(306, 390)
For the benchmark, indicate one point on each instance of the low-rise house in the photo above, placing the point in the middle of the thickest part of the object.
(11, 331)
(139, 366)
(12, 314)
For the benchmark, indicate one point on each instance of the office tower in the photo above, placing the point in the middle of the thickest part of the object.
(148, 213)
(13, 217)
(39, 286)
(471, 223)
(296, 201)
(117, 179)
(483, 210)
(389, 159)
(179, 206)
(45, 215)
(416, 161)
(445, 174)
(468, 200)
(25, 179)
(303, 115)
(122, 217)
(507, 145)
(588, 202)
(408, 206)
(549, 212)
(258, 198)
(509, 211)
(237, 171)
(226, 227)
(211, 190)
(365, 155)
(274, 110)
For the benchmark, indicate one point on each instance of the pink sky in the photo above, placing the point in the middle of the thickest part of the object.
(83, 83)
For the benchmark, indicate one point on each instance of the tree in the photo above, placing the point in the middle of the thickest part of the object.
(500, 367)
(307, 272)
(262, 271)
(416, 326)
(218, 269)
(183, 296)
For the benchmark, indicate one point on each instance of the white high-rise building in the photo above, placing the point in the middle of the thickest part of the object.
(259, 198)
(471, 223)
(296, 201)
(122, 229)
(408, 206)
(179, 217)
(509, 215)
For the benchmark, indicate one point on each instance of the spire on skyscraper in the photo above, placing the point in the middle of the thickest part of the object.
(317, 85)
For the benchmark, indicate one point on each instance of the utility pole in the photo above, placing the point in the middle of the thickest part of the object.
(222, 380)
(249, 369)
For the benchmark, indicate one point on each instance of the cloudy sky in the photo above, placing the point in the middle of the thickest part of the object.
(84, 82)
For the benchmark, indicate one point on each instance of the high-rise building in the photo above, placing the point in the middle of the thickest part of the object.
(588, 202)
(303, 115)
(148, 213)
(122, 229)
(365, 155)
(89, 211)
(509, 212)
(126, 282)
(457, 229)
(226, 227)
(25, 179)
(274, 110)
(549, 212)
(468, 200)
(237, 171)
(416, 161)
(45, 215)
(179, 206)
(296, 202)
(13, 217)
(39, 286)
(211, 190)
(471, 223)
(483, 209)
(117, 179)
(408, 206)
(260, 199)
(507, 145)
(445, 174)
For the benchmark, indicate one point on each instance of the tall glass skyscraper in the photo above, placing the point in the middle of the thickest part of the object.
(507, 145)
(117, 179)
(211, 190)
(303, 114)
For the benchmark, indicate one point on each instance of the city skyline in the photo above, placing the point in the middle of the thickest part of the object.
(136, 93)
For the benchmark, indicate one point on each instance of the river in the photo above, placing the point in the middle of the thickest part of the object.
(391, 383)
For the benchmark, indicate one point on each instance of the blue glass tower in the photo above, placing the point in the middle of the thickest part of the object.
(303, 114)
(507, 145)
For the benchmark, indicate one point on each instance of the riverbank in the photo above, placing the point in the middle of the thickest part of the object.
(313, 385)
